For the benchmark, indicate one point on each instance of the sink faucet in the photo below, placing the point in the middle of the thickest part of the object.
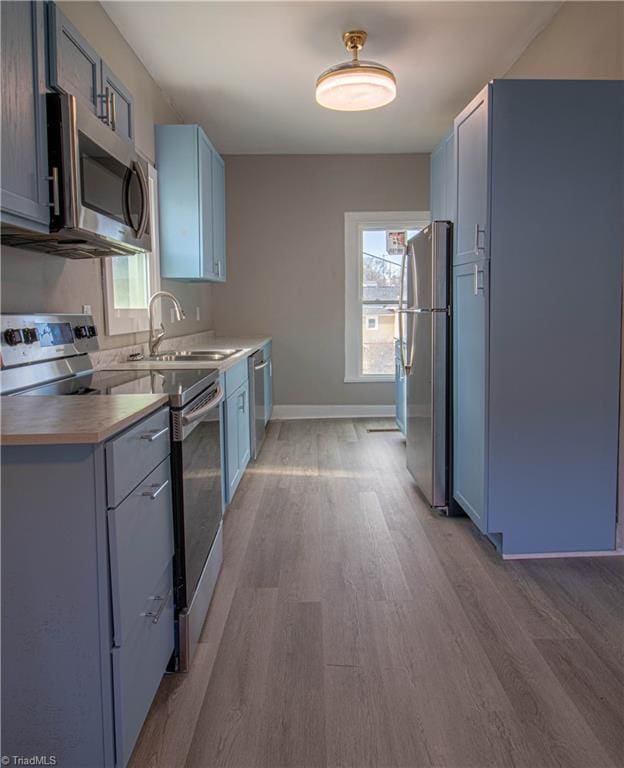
(156, 336)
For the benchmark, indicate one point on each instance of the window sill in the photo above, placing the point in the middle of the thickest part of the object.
(368, 379)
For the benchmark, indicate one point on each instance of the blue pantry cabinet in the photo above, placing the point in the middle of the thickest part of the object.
(75, 67)
(191, 201)
(25, 193)
(536, 313)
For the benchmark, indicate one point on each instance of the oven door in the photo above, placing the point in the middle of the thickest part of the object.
(103, 193)
(198, 503)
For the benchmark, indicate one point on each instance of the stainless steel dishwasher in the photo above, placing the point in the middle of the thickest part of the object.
(257, 364)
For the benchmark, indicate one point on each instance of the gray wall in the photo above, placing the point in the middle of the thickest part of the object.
(285, 229)
(33, 282)
(584, 40)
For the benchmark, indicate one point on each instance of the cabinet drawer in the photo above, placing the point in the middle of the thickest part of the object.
(235, 376)
(140, 536)
(134, 454)
(139, 665)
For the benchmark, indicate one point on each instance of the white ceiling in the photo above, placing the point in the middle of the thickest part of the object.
(246, 70)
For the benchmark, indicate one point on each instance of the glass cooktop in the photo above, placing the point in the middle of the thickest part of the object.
(181, 385)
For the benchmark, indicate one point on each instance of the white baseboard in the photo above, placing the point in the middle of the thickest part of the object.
(286, 412)
(545, 555)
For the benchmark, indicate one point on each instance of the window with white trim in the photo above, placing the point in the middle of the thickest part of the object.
(129, 281)
(374, 247)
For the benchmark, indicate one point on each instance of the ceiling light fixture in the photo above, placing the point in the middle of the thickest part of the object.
(355, 85)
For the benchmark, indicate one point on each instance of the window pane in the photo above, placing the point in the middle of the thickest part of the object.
(381, 270)
(130, 281)
(377, 340)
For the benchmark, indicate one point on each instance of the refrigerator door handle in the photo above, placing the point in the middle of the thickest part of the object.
(400, 312)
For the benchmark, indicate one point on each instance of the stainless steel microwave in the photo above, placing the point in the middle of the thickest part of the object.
(100, 198)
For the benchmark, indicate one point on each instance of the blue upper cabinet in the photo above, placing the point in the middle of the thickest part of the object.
(443, 180)
(536, 375)
(471, 181)
(191, 199)
(120, 104)
(25, 188)
(75, 67)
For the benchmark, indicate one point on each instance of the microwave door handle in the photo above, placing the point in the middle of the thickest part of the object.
(145, 201)
(125, 198)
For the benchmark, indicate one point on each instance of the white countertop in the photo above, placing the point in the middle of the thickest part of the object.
(247, 345)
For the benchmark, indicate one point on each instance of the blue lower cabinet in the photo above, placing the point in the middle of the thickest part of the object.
(400, 389)
(237, 437)
(98, 597)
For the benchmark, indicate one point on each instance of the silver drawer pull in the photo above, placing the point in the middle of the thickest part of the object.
(159, 488)
(155, 615)
(151, 436)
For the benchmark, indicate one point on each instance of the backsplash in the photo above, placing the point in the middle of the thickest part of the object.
(39, 282)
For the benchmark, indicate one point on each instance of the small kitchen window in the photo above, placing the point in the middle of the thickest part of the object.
(374, 247)
(129, 281)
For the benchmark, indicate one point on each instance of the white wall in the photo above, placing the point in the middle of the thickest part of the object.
(285, 229)
(35, 282)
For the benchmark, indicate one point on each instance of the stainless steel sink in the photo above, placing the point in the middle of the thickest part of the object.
(211, 355)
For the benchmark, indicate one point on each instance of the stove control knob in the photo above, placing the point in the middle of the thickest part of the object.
(30, 335)
(13, 336)
(81, 332)
(92, 330)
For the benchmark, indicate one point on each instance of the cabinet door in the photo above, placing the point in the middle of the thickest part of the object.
(244, 436)
(25, 189)
(471, 167)
(120, 114)
(206, 205)
(232, 466)
(470, 346)
(268, 391)
(218, 215)
(74, 65)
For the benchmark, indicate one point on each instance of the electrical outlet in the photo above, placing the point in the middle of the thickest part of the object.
(86, 309)
(197, 314)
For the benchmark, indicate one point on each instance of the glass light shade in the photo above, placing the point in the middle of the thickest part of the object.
(356, 86)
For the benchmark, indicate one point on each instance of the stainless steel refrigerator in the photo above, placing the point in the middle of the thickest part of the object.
(425, 327)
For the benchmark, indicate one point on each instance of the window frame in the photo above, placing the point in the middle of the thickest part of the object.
(355, 223)
(120, 321)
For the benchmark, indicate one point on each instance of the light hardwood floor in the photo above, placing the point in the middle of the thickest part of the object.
(351, 626)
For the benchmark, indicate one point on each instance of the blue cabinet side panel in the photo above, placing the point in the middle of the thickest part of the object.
(218, 217)
(178, 200)
(56, 678)
(556, 275)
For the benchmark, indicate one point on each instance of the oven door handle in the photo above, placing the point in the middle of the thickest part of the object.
(200, 412)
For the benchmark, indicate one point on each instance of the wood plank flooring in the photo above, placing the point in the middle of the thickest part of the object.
(351, 626)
